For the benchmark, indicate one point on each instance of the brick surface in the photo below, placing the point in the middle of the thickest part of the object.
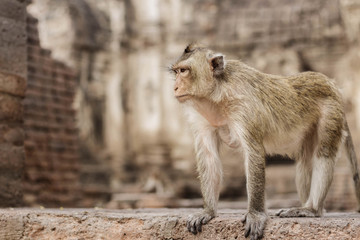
(12, 84)
(10, 108)
(12, 157)
(12, 46)
(11, 134)
(13, 10)
(51, 144)
(12, 90)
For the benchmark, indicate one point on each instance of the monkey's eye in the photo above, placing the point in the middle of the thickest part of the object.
(183, 71)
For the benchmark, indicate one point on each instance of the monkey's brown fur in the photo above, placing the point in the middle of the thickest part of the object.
(300, 116)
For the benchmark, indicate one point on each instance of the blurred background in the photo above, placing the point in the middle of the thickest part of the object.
(102, 128)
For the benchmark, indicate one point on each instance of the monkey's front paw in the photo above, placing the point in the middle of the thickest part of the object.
(254, 224)
(296, 212)
(195, 222)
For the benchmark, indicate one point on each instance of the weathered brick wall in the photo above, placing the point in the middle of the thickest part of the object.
(81, 37)
(144, 135)
(12, 91)
(51, 143)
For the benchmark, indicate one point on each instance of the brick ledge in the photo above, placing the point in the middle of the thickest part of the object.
(74, 224)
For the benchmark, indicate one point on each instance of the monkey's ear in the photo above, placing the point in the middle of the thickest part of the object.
(217, 64)
(192, 47)
(188, 49)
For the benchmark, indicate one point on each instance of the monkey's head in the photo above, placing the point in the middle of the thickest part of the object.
(196, 72)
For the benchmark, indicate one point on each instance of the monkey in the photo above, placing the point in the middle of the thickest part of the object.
(299, 116)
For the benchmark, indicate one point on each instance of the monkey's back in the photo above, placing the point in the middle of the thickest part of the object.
(285, 103)
(301, 93)
(313, 85)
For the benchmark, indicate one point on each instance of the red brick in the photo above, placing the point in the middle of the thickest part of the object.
(12, 157)
(11, 108)
(51, 142)
(13, 84)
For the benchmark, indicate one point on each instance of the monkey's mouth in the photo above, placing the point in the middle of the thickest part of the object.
(182, 98)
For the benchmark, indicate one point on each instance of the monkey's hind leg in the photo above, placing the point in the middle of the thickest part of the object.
(303, 177)
(322, 174)
(323, 161)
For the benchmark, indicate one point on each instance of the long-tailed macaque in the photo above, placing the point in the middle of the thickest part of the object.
(300, 116)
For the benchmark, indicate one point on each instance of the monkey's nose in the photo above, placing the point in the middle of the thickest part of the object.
(176, 88)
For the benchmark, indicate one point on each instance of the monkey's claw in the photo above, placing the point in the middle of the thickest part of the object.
(296, 212)
(254, 224)
(195, 222)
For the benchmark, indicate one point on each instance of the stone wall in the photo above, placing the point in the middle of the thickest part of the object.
(12, 91)
(51, 176)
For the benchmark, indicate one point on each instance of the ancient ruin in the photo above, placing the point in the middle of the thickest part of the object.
(87, 115)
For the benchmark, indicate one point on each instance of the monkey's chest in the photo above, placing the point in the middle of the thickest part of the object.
(216, 121)
(212, 113)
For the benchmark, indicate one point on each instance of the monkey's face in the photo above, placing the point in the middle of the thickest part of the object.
(196, 72)
(183, 83)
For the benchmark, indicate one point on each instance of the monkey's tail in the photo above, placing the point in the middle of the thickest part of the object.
(349, 145)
